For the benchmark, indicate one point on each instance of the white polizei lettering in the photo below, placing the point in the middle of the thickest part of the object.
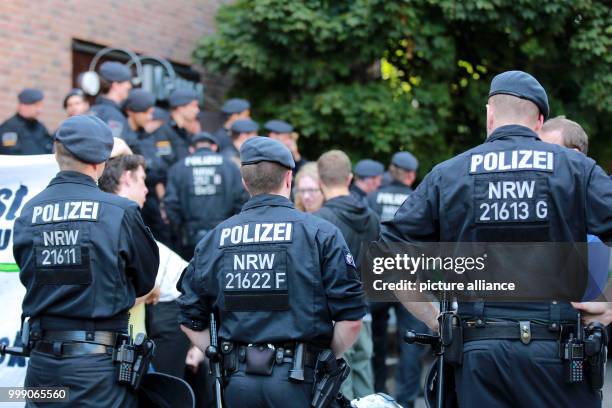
(236, 233)
(525, 162)
(36, 212)
(476, 161)
(47, 213)
(279, 230)
(74, 209)
(549, 161)
(280, 278)
(71, 237)
(525, 188)
(288, 231)
(490, 161)
(86, 209)
(502, 164)
(225, 233)
(245, 235)
(265, 235)
(514, 160)
(254, 233)
(59, 238)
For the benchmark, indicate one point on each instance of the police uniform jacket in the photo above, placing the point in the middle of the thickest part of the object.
(274, 274)
(222, 135)
(19, 135)
(178, 137)
(202, 190)
(159, 156)
(110, 112)
(84, 255)
(388, 199)
(561, 196)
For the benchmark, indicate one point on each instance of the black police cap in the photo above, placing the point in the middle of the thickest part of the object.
(204, 137)
(73, 92)
(29, 96)
(278, 126)
(405, 160)
(235, 106)
(522, 85)
(181, 97)
(368, 168)
(258, 149)
(86, 137)
(139, 100)
(244, 126)
(115, 72)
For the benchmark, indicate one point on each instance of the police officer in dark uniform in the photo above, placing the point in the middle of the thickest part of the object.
(387, 199)
(23, 133)
(506, 364)
(115, 85)
(183, 109)
(204, 179)
(241, 131)
(283, 132)
(232, 110)
(301, 279)
(84, 256)
(368, 177)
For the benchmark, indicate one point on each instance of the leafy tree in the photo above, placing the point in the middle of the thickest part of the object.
(375, 76)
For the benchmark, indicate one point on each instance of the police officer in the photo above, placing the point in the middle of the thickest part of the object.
(368, 177)
(204, 179)
(75, 102)
(241, 131)
(283, 132)
(232, 110)
(505, 365)
(84, 255)
(115, 85)
(301, 278)
(23, 133)
(387, 199)
(184, 109)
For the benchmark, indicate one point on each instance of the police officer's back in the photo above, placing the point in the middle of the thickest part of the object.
(203, 189)
(563, 195)
(22, 133)
(84, 255)
(277, 277)
(388, 198)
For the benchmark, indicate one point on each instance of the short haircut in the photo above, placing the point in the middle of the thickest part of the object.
(334, 168)
(397, 173)
(115, 167)
(105, 85)
(65, 159)
(508, 108)
(572, 133)
(263, 177)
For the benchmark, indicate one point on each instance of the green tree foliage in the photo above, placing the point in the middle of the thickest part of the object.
(375, 76)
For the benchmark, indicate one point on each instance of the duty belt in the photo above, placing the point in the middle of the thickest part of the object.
(525, 331)
(284, 353)
(76, 343)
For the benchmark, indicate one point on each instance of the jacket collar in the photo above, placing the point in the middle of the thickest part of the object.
(271, 200)
(508, 131)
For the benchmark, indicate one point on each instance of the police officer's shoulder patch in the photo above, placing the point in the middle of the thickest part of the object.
(9, 139)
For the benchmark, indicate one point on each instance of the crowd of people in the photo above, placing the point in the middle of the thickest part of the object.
(187, 182)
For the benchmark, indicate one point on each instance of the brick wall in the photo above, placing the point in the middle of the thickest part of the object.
(37, 38)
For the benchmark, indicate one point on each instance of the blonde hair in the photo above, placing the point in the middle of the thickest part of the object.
(334, 168)
(307, 170)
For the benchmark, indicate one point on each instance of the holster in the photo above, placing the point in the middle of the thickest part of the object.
(451, 336)
(596, 352)
(329, 376)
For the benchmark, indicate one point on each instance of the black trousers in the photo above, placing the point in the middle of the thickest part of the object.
(91, 380)
(276, 390)
(508, 373)
(171, 343)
